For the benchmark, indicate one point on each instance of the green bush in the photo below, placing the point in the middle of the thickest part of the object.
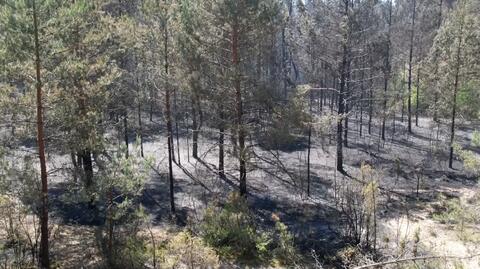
(285, 251)
(185, 250)
(231, 231)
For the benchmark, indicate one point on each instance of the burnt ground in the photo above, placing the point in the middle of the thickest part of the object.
(315, 221)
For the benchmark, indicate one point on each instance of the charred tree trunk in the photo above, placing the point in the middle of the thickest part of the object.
(387, 70)
(309, 145)
(168, 113)
(221, 143)
(341, 99)
(435, 102)
(417, 97)
(347, 107)
(176, 125)
(361, 102)
(239, 109)
(410, 63)
(403, 92)
(125, 130)
(140, 123)
(44, 246)
(87, 163)
(194, 129)
(370, 109)
(455, 91)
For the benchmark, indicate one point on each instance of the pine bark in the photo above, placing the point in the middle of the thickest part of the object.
(44, 245)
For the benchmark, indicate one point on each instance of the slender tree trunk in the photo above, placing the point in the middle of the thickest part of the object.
(169, 117)
(435, 102)
(140, 124)
(387, 69)
(341, 99)
(410, 64)
(370, 109)
(194, 129)
(309, 146)
(403, 92)
(221, 144)
(176, 125)
(417, 101)
(125, 131)
(284, 66)
(361, 106)
(151, 105)
(110, 227)
(239, 109)
(347, 107)
(44, 248)
(455, 91)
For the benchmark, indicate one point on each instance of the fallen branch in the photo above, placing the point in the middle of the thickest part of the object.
(416, 259)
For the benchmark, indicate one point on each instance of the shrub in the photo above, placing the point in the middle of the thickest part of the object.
(284, 251)
(185, 250)
(231, 231)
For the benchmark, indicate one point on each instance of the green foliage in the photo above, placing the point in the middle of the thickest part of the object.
(468, 100)
(130, 249)
(187, 250)
(284, 249)
(118, 187)
(462, 216)
(455, 51)
(453, 212)
(476, 139)
(232, 232)
(471, 160)
(288, 123)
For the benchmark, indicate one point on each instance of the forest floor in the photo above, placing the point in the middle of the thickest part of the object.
(316, 220)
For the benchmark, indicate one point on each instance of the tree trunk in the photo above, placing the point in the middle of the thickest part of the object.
(169, 117)
(194, 129)
(221, 142)
(417, 97)
(125, 131)
(239, 109)
(110, 227)
(370, 109)
(176, 125)
(387, 69)
(341, 100)
(309, 146)
(44, 248)
(140, 124)
(410, 63)
(439, 24)
(362, 90)
(347, 107)
(455, 91)
(403, 92)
